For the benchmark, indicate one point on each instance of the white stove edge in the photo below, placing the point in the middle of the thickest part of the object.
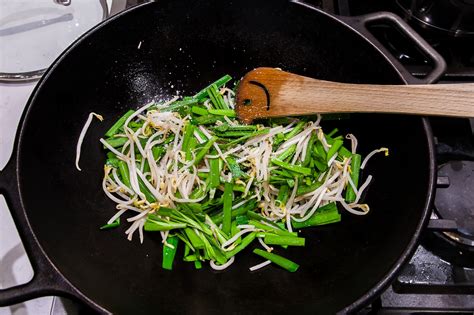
(15, 267)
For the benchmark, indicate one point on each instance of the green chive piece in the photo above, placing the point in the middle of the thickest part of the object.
(309, 149)
(188, 134)
(333, 132)
(216, 98)
(227, 219)
(245, 242)
(207, 119)
(158, 152)
(194, 238)
(190, 258)
(278, 260)
(236, 212)
(257, 217)
(299, 126)
(243, 138)
(111, 225)
(355, 171)
(190, 148)
(293, 168)
(288, 153)
(116, 142)
(148, 195)
(304, 189)
(215, 173)
(118, 124)
(179, 104)
(169, 253)
(219, 83)
(268, 228)
(223, 112)
(344, 152)
(283, 194)
(124, 173)
(234, 167)
(241, 219)
(154, 226)
(200, 155)
(234, 230)
(283, 240)
(199, 111)
(112, 160)
(334, 149)
(197, 264)
(324, 215)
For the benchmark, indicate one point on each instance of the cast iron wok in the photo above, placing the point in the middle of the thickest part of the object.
(184, 46)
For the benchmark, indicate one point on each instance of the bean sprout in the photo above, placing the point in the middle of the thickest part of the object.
(83, 134)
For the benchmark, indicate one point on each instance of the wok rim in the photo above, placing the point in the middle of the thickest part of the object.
(358, 304)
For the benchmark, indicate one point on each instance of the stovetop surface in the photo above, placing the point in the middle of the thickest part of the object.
(440, 276)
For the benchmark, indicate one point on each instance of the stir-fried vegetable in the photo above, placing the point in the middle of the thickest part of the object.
(187, 169)
(280, 261)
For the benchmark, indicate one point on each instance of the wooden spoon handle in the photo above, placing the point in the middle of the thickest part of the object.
(269, 92)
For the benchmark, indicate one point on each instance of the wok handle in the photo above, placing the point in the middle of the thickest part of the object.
(24, 292)
(362, 22)
(46, 280)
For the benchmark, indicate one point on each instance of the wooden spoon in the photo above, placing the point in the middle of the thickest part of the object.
(269, 92)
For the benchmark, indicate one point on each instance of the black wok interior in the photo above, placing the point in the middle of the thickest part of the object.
(184, 46)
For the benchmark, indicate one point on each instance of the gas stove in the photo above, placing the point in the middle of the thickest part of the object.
(440, 276)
